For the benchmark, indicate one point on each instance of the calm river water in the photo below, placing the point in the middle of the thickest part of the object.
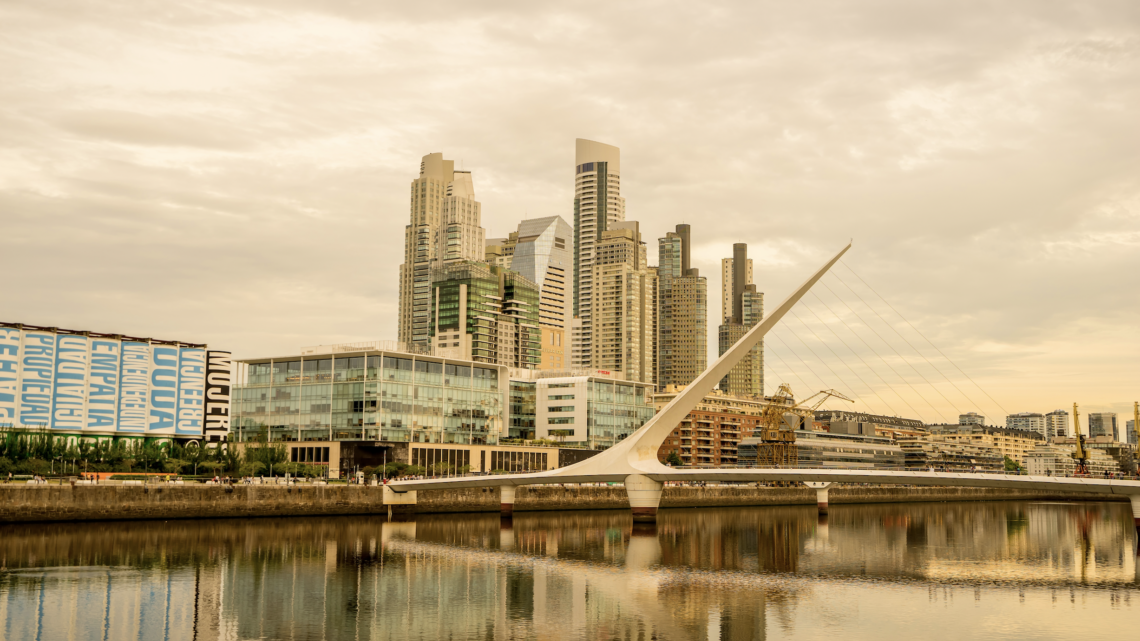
(929, 571)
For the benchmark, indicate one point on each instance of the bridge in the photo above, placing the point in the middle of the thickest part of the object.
(634, 462)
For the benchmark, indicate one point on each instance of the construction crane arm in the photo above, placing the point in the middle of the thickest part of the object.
(827, 393)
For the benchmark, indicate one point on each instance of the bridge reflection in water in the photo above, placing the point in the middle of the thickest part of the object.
(746, 573)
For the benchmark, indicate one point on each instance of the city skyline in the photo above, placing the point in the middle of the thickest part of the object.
(974, 207)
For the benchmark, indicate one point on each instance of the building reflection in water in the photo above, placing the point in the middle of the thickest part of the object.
(715, 573)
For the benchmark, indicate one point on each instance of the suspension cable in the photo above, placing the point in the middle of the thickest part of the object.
(880, 356)
(845, 363)
(911, 365)
(790, 369)
(929, 342)
(826, 364)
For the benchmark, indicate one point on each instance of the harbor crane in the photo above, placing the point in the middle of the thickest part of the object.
(777, 446)
(1081, 455)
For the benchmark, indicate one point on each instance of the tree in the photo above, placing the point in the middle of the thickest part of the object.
(1011, 465)
(673, 459)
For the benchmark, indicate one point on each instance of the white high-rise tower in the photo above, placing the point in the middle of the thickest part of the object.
(597, 205)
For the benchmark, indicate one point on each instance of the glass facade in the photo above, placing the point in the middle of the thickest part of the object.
(522, 410)
(499, 310)
(614, 411)
(370, 396)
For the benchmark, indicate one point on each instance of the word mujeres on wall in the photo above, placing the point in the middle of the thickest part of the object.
(109, 383)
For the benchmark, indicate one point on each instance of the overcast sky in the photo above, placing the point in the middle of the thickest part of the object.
(237, 172)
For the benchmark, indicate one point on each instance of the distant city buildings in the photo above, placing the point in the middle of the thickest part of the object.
(1057, 424)
(1130, 428)
(971, 418)
(1028, 421)
(1103, 424)
(623, 329)
(1016, 444)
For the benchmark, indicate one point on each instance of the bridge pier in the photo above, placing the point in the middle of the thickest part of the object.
(1135, 498)
(507, 500)
(820, 494)
(398, 502)
(644, 497)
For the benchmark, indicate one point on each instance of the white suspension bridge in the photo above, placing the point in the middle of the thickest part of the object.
(633, 461)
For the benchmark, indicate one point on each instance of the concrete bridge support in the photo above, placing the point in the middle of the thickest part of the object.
(644, 497)
(1135, 498)
(399, 502)
(820, 494)
(507, 500)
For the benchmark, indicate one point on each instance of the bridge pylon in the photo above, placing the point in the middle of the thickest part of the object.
(820, 488)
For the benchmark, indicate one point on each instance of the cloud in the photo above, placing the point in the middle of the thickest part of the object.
(237, 172)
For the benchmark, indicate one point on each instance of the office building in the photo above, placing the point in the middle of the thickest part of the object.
(444, 228)
(1057, 424)
(746, 378)
(682, 312)
(589, 408)
(1103, 424)
(1028, 421)
(1130, 433)
(624, 326)
(369, 392)
(598, 205)
(1015, 444)
(543, 254)
(485, 314)
(971, 418)
(93, 385)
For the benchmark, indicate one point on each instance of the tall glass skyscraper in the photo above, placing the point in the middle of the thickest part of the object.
(682, 312)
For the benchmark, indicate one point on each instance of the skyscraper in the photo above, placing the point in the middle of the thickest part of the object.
(682, 312)
(597, 206)
(542, 253)
(624, 331)
(742, 312)
(727, 271)
(444, 228)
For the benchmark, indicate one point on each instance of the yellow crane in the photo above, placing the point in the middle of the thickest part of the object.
(1136, 431)
(1080, 455)
(778, 443)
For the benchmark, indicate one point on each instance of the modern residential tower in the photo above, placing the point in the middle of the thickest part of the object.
(624, 327)
(597, 206)
(682, 312)
(746, 378)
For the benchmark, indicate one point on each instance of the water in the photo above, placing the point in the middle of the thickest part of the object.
(932, 571)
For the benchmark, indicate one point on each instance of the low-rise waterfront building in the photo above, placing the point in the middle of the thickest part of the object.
(858, 423)
(712, 431)
(380, 391)
(1015, 444)
(824, 449)
(1056, 459)
(922, 454)
(1123, 453)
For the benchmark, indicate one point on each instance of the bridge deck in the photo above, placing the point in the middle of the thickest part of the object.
(883, 477)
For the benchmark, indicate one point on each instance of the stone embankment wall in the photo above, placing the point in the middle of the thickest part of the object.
(27, 503)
